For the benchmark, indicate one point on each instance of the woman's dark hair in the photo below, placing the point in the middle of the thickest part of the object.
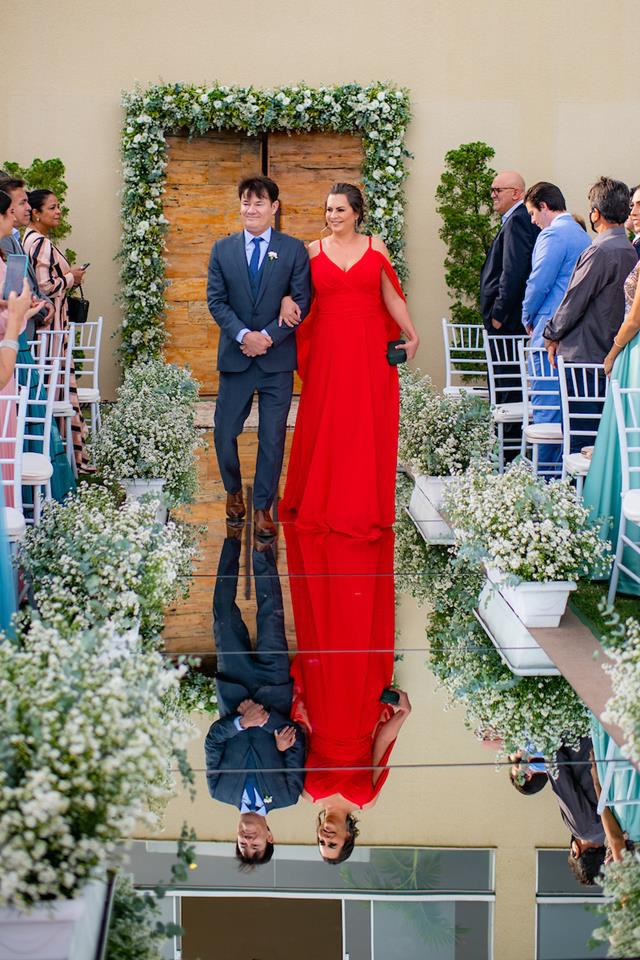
(350, 842)
(5, 201)
(260, 186)
(37, 198)
(248, 863)
(353, 195)
(586, 868)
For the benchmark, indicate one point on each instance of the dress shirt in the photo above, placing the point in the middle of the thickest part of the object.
(247, 802)
(592, 309)
(505, 216)
(249, 247)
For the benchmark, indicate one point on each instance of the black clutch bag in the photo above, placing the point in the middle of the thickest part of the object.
(394, 354)
(390, 696)
(78, 308)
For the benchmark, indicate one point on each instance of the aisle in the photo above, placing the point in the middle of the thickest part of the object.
(188, 626)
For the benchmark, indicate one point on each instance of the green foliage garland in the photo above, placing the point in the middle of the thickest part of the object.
(47, 175)
(378, 112)
(468, 224)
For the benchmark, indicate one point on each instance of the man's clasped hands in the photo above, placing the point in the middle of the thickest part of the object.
(254, 715)
(255, 343)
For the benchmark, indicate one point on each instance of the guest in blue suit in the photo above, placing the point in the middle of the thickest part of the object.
(555, 254)
(254, 752)
(249, 274)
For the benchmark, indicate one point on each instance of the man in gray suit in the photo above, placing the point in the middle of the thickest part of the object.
(249, 274)
(11, 244)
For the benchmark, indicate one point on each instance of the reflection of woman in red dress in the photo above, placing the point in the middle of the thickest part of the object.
(342, 469)
(342, 591)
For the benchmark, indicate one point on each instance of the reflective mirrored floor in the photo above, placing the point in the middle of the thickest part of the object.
(340, 764)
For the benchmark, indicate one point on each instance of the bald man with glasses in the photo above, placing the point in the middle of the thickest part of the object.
(505, 272)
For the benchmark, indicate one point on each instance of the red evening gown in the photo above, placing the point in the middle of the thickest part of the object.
(342, 468)
(342, 592)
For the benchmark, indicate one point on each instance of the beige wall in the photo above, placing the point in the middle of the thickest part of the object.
(548, 85)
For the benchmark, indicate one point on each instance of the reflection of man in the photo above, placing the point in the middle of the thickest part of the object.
(577, 800)
(254, 734)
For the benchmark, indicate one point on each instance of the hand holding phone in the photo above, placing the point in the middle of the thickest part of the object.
(15, 275)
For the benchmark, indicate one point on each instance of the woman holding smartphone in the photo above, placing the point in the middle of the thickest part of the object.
(56, 277)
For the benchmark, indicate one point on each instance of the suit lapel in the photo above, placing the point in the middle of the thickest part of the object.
(268, 266)
(240, 258)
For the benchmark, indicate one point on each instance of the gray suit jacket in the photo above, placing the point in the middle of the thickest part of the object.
(592, 309)
(233, 305)
(9, 245)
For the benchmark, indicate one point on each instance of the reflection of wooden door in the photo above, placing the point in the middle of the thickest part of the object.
(201, 206)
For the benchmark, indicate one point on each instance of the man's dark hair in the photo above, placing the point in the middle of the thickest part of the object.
(10, 183)
(611, 199)
(249, 863)
(260, 186)
(586, 868)
(544, 192)
(529, 787)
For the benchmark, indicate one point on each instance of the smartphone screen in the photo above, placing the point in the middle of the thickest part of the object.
(14, 277)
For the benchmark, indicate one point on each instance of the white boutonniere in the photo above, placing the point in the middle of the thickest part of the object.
(268, 799)
(272, 255)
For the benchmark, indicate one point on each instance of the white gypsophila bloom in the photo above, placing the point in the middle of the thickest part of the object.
(89, 749)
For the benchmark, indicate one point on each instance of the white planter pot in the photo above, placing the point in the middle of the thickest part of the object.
(60, 930)
(135, 489)
(425, 509)
(535, 604)
(515, 644)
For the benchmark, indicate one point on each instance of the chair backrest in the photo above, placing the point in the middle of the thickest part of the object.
(463, 352)
(54, 345)
(621, 782)
(85, 343)
(583, 391)
(501, 355)
(13, 411)
(40, 382)
(626, 403)
(540, 388)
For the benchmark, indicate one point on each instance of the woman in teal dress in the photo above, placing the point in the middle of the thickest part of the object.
(627, 815)
(604, 480)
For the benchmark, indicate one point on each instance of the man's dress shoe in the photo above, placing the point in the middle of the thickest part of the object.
(263, 526)
(236, 509)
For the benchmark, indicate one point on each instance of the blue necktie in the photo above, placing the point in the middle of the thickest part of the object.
(254, 263)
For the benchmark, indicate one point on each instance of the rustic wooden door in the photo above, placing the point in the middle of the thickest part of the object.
(201, 206)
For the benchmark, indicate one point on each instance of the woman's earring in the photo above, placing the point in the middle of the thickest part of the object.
(356, 225)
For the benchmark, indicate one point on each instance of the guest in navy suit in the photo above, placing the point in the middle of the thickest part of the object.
(249, 274)
(254, 735)
(503, 280)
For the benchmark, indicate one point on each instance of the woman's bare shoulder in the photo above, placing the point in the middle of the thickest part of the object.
(378, 244)
(313, 249)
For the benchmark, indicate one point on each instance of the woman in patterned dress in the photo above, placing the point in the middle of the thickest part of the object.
(55, 277)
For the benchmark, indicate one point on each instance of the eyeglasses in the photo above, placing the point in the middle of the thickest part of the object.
(500, 189)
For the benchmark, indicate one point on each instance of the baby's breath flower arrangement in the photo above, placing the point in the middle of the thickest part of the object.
(621, 887)
(150, 432)
(87, 751)
(439, 434)
(623, 707)
(92, 560)
(526, 528)
(379, 113)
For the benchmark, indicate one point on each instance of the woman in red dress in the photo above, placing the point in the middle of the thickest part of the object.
(342, 468)
(342, 591)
